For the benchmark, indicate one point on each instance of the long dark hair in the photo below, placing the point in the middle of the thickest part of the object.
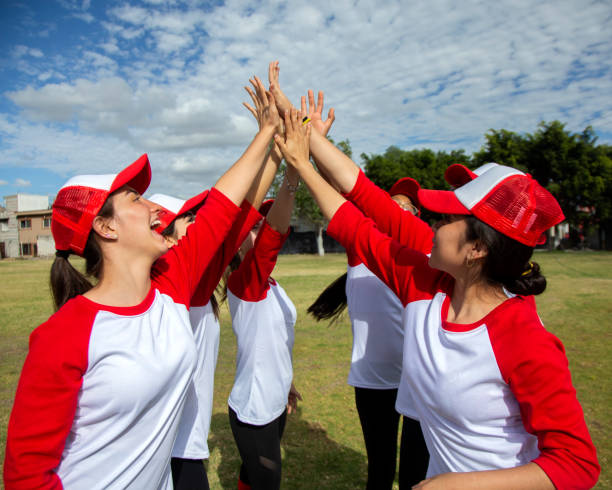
(232, 266)
(507, 261)
(170, 231)
(331, 302)
(66, 281)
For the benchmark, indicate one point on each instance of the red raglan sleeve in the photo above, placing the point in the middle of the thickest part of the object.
(390, 219)
(533, 364)
(180, 270)
(245, 221)
(403, 270)
(46, 400)
(250, 281)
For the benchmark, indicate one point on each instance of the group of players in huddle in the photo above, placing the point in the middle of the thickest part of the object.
(117, 387)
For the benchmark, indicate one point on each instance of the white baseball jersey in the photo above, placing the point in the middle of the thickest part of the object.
(102, 388)
(263, 318)
(491, 395)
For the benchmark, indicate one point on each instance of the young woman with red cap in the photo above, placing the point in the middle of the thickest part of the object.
(376, 362)
(376, 359)
(105, 379)
(490, 386)
(263, 319)
(176, 216)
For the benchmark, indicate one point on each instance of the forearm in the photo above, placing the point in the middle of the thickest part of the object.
(339, 168)
(238, 179)
(264, 178)
(529, 476)
(280, 212)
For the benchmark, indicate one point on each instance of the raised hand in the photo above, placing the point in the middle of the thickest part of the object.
(282, 102)
(295, 143)
(265, 111)
(315, 113)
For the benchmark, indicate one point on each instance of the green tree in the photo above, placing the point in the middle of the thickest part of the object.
(571, 166)
(423, 165)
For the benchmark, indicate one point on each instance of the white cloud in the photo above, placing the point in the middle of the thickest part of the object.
(3, 182)
(85, 17)
(22, 183)
(167, 78)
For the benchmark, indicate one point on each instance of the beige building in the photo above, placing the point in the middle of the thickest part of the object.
(22, 221)
(35, 233)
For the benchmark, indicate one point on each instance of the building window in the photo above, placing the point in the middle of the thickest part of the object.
(25, 223)
(4, 226)
(26, 249)
(46, 222)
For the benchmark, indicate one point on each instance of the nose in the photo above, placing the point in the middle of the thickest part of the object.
(154, 208)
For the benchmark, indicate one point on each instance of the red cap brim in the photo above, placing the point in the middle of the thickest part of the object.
(408, 187)
(443, 202)
(193, 203)
(457, 175)
(137, 176)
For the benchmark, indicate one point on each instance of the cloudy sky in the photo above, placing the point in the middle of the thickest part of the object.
(86, 86)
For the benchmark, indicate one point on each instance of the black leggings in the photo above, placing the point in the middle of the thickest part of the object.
(259, 447)
(189, 474)
(379, 423)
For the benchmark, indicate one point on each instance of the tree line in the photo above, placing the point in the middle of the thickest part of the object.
(572, 166)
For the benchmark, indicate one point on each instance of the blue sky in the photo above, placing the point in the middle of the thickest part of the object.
(87, 86)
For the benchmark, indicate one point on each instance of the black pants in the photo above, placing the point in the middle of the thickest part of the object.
(189, 474)
(379, 423)
(259, 447)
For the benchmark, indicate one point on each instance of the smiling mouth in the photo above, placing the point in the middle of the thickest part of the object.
(155, 224)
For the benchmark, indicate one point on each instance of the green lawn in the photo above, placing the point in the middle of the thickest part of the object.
(322, 447)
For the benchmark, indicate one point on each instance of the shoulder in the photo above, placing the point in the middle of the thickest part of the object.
(65, 335)
(519, 338)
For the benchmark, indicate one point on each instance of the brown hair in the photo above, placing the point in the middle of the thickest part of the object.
(507, 261)
(66, 281)
(331, 302)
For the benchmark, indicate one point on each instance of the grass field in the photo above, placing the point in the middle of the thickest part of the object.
(323, 446)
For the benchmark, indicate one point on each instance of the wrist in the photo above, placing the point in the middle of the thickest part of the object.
(267, 130)
(292, 182)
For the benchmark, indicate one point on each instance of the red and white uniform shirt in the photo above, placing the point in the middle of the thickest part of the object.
(263, 318)
(102, 388)
(191, 440)
(378, 332)
(495, 394)
(374, 309)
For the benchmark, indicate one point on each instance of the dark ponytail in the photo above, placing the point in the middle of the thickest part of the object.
(507, 261)
(233, 265)
(66, 281)
(331, 302)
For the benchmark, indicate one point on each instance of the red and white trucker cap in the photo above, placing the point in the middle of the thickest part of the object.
(505, 198)
(173, 207)
(81, 198)
(457, 174)
(407, 186)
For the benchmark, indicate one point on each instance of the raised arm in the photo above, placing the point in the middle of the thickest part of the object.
(237, 180)
(265, 176)
(295, 146)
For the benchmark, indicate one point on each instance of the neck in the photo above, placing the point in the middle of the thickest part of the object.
(122, 283)
(473, 300)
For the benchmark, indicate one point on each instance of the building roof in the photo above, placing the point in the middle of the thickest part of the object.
(38, 212)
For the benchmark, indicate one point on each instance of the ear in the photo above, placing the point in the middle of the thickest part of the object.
(477, 251)
(104, 227)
